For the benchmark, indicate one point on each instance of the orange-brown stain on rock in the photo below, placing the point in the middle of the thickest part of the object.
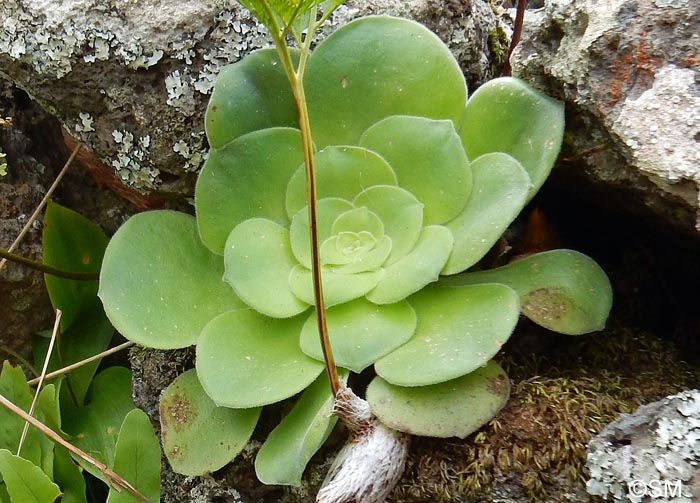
(635, 66)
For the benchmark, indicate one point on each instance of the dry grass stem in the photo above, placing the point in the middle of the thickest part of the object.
(41, 205)
(79, 364)
(54, 333)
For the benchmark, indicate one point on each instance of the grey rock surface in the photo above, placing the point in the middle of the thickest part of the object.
(653, 453)
(25, 307)
(131, 79)
(629, 71)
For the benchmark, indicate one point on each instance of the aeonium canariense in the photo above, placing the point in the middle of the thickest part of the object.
(415, 185)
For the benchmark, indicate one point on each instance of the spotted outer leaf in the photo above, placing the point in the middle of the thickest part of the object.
(562, 290)
(453, 408)
(187, 418)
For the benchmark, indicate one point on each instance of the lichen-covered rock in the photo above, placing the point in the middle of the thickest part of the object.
(134, 87)
(630, 72)
(131, 86)
(653, 452)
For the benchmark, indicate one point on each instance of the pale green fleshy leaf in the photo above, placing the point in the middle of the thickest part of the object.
(375, 67)
(367, 261)
(415, 270)
(337, 288)
(361, 332)
(506, 115)
(341, 172)
(250, 95)
(429, 161)
(159, 284)
(199, 437)
(500, 191)
(459, 330)
(246, 179)
(327, 210)
(246, 359)
(359, 220)
(562, 290)
(400, 212)
(455, 408)
(289, 447)
(258, 259)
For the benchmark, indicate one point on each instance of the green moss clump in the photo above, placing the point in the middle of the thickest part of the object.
(498, 43)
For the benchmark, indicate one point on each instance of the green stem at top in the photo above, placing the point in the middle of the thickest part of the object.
(296, 81)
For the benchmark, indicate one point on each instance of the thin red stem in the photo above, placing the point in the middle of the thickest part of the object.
(515, 39)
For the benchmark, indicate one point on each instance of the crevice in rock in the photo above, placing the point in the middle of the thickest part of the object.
(652, 266)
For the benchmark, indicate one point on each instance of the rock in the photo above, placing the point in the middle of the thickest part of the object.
(134, 87)
(36, 153)
(129, 86)
(629, 71)
(25, 308)
(653, 452)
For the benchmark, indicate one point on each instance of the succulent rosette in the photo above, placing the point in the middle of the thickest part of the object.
(414, 184)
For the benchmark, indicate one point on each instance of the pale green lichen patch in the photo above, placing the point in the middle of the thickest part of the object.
(192, 152)
(51, 40)
(74, 41)
(658, 442)
(131, 162)
(85, 123)
(235, 33)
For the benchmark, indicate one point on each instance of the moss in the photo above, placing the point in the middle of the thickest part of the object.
(564, 391)
(498, 44)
